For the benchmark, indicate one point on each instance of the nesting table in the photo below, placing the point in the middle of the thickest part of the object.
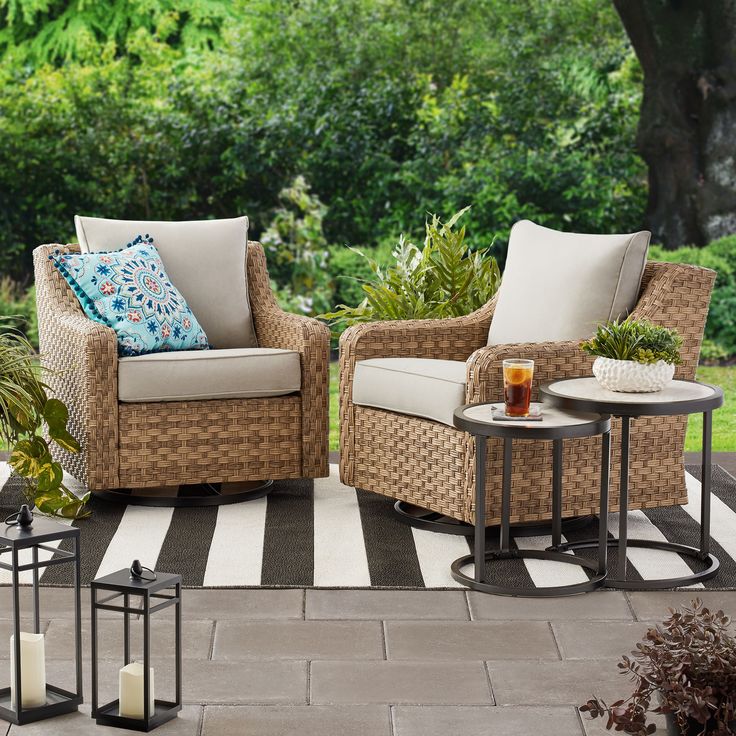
(679, 397)
(557, 425)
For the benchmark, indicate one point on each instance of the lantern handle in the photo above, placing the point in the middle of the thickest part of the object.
(137, 572)
(22, 518)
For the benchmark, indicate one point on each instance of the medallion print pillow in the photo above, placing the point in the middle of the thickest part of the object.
(128, 290)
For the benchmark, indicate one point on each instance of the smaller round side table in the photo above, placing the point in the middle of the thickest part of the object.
(556, 425)
(679, 397)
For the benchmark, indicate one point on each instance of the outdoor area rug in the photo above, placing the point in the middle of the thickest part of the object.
(323, 534)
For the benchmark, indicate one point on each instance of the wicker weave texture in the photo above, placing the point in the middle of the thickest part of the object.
(433, 465)
(171, 443)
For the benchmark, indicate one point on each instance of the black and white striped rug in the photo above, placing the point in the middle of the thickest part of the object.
(323, 534)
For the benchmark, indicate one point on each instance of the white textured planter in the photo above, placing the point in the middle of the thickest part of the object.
(632, 377)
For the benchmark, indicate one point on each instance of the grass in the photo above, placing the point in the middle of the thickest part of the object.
(724, 420)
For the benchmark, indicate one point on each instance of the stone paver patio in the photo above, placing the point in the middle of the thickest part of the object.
(377, 663)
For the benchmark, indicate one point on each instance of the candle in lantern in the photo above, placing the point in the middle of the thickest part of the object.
(131, 691)
(32, 670)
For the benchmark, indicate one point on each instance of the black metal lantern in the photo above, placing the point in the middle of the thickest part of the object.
(30, 697)
(136, 708)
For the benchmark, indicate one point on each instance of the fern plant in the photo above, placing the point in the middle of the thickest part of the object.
(25, 411)
(635, 340)
(444, 278)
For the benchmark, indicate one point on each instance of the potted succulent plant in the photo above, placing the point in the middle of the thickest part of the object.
(684, 669)
(634, 355)
(26, 413)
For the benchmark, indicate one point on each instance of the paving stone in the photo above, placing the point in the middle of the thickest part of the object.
(260, 683)
(243, 604)
(263, 640)
(203, 681)
(412, 683)
(653, 606)
(6, 631)
(554, 683)
(480, 640)
(313, 720)
(80, 724)
(597, 639)
(196, 638)
(605, 605)
(386, 604)
(55, 602)
(437, 720)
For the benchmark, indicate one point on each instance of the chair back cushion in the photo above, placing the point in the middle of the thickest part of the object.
(205, 260)
(560, 286)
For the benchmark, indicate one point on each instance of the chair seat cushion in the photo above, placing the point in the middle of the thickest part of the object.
(422, 387)
(234, 373)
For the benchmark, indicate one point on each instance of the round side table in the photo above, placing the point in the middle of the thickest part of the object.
(556, 425)
(679, 397)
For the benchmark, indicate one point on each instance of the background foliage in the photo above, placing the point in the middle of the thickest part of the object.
(388, 108)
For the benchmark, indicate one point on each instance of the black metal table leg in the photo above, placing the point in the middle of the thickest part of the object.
(504, 537)
(705, 484)
(480, 509)
(480, 555)
(556, 493)
(703, 554)
(603, 517)
(623, 502)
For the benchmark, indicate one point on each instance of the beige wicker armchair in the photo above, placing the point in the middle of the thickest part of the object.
(167, 443)
(431, 464)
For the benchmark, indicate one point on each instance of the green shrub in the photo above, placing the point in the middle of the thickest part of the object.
(19, 305)
(720, 255)
(444, 278)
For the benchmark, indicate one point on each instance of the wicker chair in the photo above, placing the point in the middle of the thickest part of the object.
(129, 445)
(431, 465)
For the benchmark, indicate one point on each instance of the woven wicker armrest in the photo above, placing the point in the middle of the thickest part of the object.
(552, 360)
(449, 339)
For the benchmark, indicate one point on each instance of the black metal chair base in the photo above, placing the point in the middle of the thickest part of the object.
(433, 521)
(595, 582)
(662, 583)
(204, 494)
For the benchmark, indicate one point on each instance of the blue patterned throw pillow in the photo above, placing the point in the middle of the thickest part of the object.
(129, 291)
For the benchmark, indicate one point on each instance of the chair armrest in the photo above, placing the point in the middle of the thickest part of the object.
(80, 361)
(311, 339)
(552, 360)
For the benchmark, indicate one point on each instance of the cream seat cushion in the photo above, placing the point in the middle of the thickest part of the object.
(205, 260)
(560, 286)
(235, 373)
(420, 386)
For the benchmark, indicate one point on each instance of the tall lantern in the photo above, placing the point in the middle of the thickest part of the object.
(31, 545)
(137, 707)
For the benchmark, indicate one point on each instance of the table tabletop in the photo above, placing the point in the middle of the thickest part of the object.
(556, 423)
(678, 397)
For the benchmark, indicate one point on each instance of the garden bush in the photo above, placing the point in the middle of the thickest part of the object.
(720, 255)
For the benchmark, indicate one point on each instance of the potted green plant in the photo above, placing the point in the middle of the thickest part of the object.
(634, 355)
(685, 669)
(30, 422)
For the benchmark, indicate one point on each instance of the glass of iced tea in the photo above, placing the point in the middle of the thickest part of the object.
(517, 386)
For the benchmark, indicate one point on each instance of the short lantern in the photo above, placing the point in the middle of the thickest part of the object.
(137, 707)
(33, 544)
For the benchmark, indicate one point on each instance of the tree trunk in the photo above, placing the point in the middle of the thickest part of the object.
(687, 128)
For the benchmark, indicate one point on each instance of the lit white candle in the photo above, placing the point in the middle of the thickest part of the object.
(131, 691)
(32, 670)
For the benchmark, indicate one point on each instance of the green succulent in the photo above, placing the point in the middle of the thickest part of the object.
(635, 340)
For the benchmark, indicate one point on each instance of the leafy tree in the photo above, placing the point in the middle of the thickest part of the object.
(687, 50)
(64, 30)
